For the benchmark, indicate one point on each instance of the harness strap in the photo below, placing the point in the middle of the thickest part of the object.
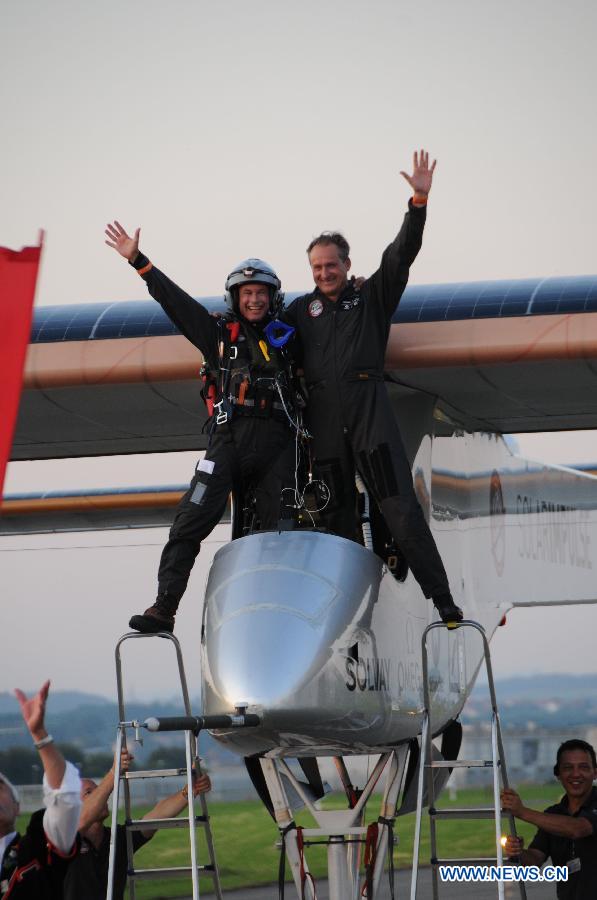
(225, 395)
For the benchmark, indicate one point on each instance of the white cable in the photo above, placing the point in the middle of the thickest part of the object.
(365, 521)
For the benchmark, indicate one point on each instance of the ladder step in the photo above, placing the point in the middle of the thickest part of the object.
(470, 812)
(153, 773)
(150, 824)
(147, 874)
(461, 764)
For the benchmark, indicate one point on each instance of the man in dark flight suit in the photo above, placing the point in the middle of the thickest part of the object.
(251, 438)
(344, 329)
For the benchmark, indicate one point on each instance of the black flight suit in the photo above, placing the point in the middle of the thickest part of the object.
(349, 410)
(255, 444)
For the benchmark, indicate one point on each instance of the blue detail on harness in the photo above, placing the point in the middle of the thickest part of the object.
(278, 333)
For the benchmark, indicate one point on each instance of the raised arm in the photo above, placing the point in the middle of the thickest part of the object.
(95, 802)
(62, 784)
(189, 316)
(571, 827)
(390, 280)
(171, 806)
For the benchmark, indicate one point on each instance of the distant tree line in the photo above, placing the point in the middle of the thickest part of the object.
(22, 766)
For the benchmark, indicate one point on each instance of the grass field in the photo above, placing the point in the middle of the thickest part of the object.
(245, 838)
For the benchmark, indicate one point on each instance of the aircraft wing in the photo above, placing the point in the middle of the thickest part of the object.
(499, 356)
(147, 506)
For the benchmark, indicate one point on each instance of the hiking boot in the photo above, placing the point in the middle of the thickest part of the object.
(447, 609)
(159, 617)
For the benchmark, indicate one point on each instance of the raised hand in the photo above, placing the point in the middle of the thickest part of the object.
(422, 176)
(120, 241)
(34, 710)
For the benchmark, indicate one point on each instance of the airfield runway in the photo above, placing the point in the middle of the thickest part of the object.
(402, 890)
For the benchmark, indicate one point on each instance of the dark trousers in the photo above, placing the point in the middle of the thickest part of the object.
(260, 451)
(360, 433)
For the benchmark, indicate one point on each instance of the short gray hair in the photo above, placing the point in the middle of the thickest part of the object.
(332, 237)
(11, 788)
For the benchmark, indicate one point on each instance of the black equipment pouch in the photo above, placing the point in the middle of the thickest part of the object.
(263, 398)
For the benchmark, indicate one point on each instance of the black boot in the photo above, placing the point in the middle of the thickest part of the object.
(159, 617)
(447, 609)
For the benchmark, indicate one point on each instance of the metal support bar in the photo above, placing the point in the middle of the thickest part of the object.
(343, 828)
(395, 775)
(172, 871)
(285, 822)
(150, 824)
(199, 723)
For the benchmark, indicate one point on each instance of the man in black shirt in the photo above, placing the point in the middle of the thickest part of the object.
(87, 875)
(343, 329)
(567, 831)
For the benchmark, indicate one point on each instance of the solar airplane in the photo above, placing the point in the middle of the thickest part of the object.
(317, 635)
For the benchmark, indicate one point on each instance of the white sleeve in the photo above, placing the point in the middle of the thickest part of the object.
(63, 808)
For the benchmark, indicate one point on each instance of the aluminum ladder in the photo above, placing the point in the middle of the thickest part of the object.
(497, 764)
(191, 821)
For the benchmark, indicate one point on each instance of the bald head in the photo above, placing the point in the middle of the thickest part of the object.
(9, 805)
(88, 788)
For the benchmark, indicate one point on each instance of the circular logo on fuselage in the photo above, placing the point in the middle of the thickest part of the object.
(315, 308)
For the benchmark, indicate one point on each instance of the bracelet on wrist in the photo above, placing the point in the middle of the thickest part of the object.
(419, 199)
(44, 742)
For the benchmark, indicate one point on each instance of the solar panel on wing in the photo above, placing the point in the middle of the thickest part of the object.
(420, 303)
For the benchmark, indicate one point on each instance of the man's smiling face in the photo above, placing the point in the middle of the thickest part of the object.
(330, 271)
(253, 301)
(576, 773)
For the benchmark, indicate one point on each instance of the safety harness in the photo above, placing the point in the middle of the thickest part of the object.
(253, 375)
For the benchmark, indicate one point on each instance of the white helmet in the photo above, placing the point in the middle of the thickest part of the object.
(251, 271)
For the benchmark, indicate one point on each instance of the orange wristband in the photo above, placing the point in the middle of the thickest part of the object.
(145, 269)
(419, 200)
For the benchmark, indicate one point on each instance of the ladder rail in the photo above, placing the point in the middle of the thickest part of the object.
(189, 750)
(427, 767)
(419, 810)
(126, 786)
(112, 854)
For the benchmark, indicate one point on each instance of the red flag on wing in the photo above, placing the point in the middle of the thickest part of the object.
(18, 275)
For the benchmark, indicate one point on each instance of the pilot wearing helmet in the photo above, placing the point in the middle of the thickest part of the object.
(250, 400)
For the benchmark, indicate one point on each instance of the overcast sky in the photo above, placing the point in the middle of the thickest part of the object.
(236, 129)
